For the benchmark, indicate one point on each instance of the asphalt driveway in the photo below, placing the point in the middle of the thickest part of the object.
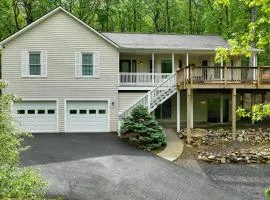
(100, 166)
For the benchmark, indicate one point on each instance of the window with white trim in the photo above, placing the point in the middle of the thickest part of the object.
(34, 64)
(87, 64)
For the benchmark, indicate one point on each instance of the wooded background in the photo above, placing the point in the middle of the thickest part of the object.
(148, 16)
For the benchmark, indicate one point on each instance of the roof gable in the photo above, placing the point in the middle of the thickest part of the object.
(48, 15)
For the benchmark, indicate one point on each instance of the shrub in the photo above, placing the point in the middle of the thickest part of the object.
(143, 129)
(267, 193)
(15, 182)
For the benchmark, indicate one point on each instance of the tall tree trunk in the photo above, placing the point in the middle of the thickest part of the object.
(253, 18)
(28, 7)
(168, 20)
(16, 12)
(134, 16)
(190, 16)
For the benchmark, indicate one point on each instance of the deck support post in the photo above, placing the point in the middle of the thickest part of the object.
(191, 109)
(221, 108)
(153, 68)
(178, 112)
(234, 113)
(189, 115)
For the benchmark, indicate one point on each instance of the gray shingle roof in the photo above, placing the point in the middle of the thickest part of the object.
(166, 41)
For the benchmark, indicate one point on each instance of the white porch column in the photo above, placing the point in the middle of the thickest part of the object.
(178, 111)
(221, 71)
(254, 65)
(153, 68)
(233, 113)
(221, 108)
(188, 115)
(173, 67)
(191, 109)
(187, 64)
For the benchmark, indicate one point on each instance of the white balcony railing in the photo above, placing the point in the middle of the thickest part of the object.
(141, 79)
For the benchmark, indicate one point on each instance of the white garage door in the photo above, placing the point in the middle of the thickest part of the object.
(36, 116)
(87, 116)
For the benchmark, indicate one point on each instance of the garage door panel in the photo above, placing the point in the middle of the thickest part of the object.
(87, 116)
(36, 116)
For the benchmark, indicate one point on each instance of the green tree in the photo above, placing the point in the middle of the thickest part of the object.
(15, 182)
(257, 113)
(144, 129)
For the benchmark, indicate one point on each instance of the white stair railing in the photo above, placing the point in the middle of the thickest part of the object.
(152, 99)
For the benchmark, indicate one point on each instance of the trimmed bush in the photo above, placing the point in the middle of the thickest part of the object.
(143, 130)
(267, 193)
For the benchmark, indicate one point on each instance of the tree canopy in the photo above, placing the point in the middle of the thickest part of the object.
(245, 21)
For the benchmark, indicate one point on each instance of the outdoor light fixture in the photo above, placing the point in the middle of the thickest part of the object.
(113, 103)
(203, 102)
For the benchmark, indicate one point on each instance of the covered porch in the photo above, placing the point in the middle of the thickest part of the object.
(149, 68)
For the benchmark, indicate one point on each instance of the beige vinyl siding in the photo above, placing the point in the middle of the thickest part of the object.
(61, 36)
(126, 99)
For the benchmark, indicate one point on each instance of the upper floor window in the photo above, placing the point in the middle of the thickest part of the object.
(34, 63)
(87, 64)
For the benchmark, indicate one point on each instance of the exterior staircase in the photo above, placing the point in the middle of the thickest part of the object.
(152, 99)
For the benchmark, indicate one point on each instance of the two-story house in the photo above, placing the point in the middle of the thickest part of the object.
(72, 78)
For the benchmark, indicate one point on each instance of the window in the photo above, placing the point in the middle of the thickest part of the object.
(83, 112)
(41, 111)
(21, 112)
(73, 112)
(166, 66)
(92, 111)
(128, 66)
(31, 112)
(87, 64)
(51, 111)
(34, 64)
(101, 111)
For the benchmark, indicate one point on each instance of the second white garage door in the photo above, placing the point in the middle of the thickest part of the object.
(87, 116)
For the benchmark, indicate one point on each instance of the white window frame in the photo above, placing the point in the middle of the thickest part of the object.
(78, 64)
(93, 64)
(34, 52)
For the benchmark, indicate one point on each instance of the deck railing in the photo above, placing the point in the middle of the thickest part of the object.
(141, 79)
(202, 75)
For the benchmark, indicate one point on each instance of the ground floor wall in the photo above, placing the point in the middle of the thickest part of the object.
(128, 98)
(61, 100)
(204, 104)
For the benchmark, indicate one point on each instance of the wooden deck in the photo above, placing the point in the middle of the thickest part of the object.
(223, 77)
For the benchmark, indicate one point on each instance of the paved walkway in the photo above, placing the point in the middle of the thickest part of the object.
(101, 166)
(174, 146)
